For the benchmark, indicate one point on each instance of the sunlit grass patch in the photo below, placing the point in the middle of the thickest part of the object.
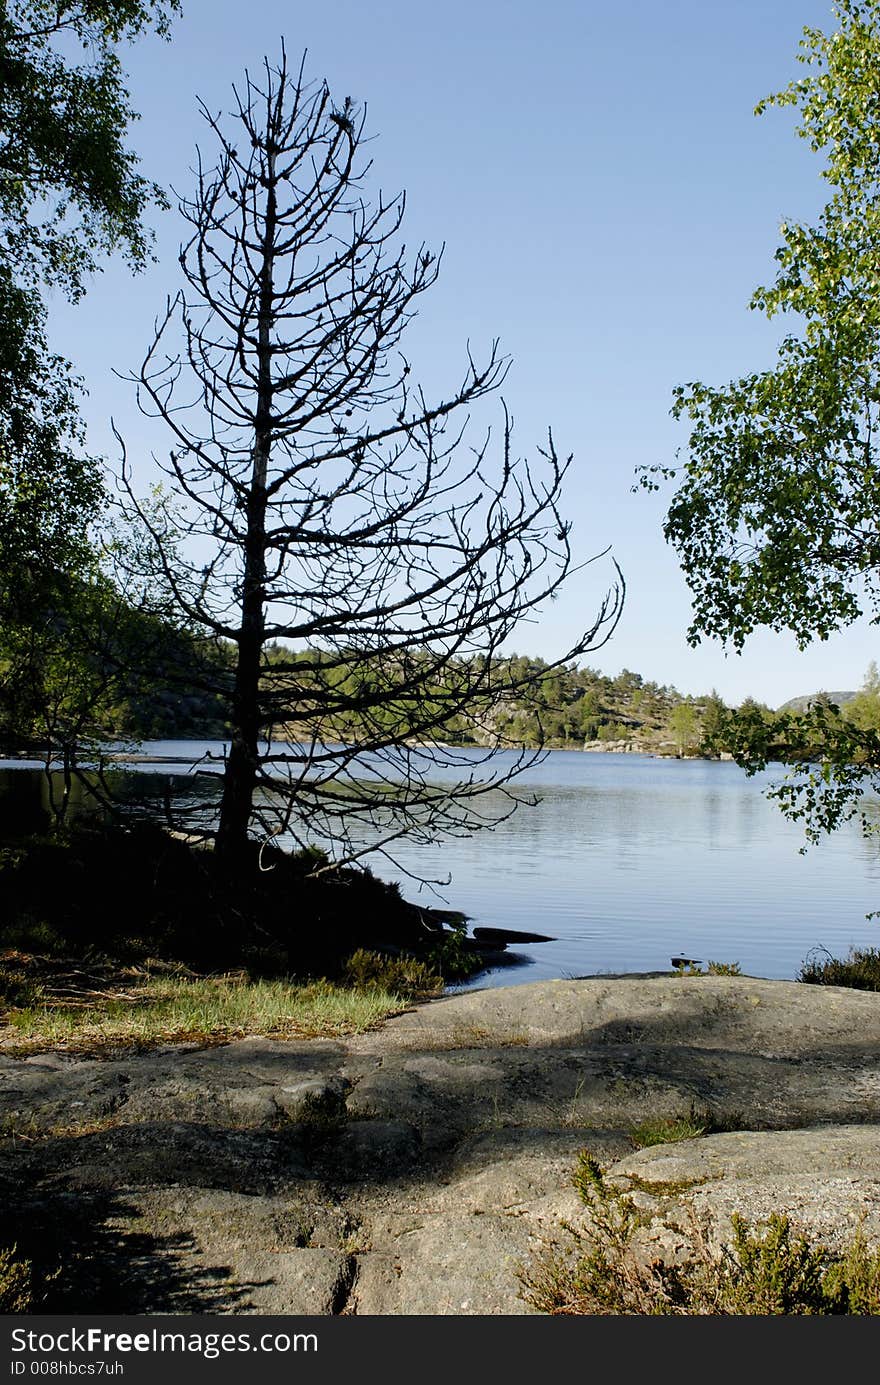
(149, 1010)
(663, 1130)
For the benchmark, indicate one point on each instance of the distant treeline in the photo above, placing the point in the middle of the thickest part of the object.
(564, 706)
(132, 675)
(569, 707)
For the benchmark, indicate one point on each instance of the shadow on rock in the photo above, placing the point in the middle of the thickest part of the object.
(88, 1255)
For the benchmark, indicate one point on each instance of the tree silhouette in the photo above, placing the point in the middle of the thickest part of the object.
(365, 560)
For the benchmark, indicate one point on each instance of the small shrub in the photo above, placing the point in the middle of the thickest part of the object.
(403, 976)
(712, 969)
(15, 1283)
(452, 957)
(605, 1276)
(17, 989)
(767, 1269)
(860, 969)
(853, 1282)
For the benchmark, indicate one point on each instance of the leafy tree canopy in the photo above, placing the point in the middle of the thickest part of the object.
(775, 517)
(69, 187)
(69, 192)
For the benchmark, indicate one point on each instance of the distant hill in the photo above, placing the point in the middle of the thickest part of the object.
(803, 704)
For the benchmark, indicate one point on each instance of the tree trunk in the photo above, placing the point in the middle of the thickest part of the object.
(239, 781)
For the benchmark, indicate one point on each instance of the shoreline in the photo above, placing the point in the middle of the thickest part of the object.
(27, 760)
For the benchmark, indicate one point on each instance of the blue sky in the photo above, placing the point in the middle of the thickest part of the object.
(608, 202)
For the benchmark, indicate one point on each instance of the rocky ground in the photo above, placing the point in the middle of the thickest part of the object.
(414, 1169)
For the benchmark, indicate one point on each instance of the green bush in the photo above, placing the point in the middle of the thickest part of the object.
(452, 957)
(403, 976)
(767, 1269)
(860, 969)
(854, 1279)
(712, 969)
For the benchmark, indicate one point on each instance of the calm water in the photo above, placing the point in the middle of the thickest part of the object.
(628, 860)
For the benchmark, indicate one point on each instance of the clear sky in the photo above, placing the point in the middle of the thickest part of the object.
(608, 202)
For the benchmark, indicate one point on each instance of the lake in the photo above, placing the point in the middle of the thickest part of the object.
(627, 860)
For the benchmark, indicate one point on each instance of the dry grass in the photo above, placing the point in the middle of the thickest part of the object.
(15, 1282)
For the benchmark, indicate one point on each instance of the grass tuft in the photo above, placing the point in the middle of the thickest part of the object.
(664, 1130)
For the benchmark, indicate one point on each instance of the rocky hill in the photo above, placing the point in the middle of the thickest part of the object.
(803, 704)
(417, 1168)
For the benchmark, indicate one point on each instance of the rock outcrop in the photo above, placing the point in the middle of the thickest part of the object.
(413, 1169)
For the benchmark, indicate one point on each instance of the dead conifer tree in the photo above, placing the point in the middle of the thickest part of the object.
(328, 521)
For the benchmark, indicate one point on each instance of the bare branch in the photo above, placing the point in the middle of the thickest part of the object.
(323, 500)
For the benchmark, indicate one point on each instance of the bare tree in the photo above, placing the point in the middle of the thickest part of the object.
(328, 520)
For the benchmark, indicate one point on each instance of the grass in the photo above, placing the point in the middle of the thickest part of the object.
(860, 969)
(135, 1007)
(664, 1130)
(768, 1268)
